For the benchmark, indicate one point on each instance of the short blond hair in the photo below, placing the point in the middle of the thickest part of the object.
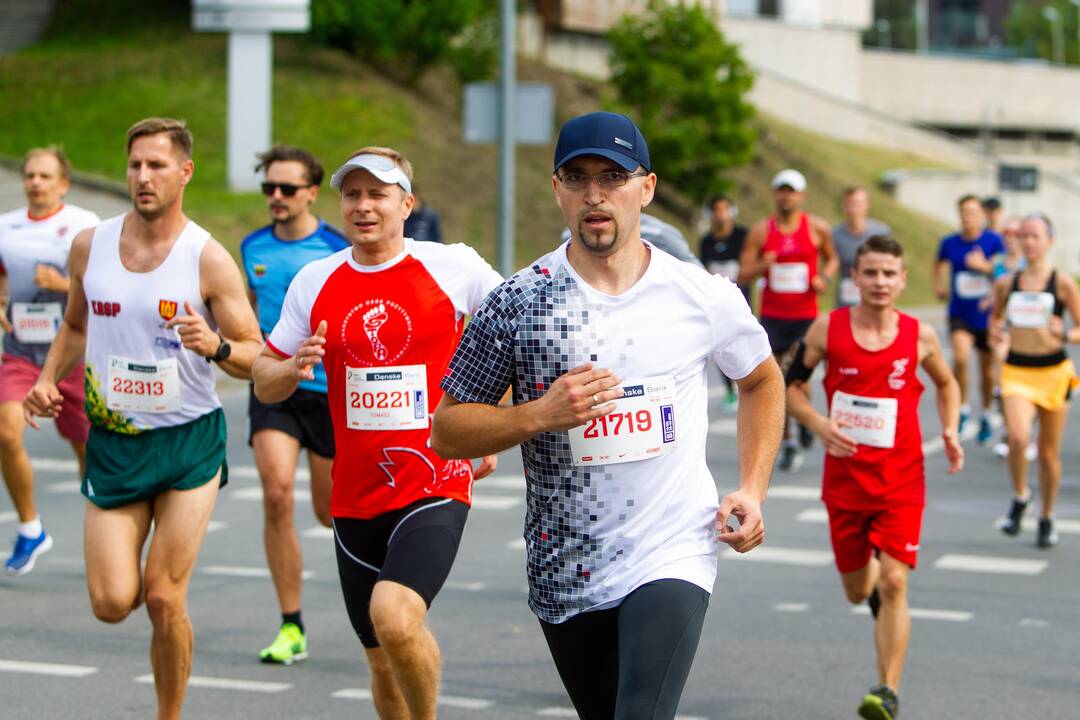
(178, 132)
(57, 152)
(400, 160)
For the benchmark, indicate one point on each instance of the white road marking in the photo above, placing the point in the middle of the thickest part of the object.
(813, 515)
(54, 465)
(495, 502)
(925, 614)
(516, 544)
(449, 700)
(250, 472)
(6, 517)
(466, 586)
(319, 532)
(503, 482)
(226, 684)
(786, 556)
(794, 492)
(255, 493)
(1066, 527)
(987, 564)
(64, 487)
(936, 444)
(1033, 623)
(791, 607)
(465, 702)
(40, 668)
(216, 525)
(242, 571)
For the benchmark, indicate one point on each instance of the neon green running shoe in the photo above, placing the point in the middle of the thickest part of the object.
(881, 703)
(289, 646)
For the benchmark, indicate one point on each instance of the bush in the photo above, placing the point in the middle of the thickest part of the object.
(675, 74)
(404, 38)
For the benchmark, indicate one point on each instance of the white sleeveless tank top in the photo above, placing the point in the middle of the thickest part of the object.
(138, 375)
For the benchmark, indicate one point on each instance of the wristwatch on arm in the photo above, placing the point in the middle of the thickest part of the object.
(223, 352)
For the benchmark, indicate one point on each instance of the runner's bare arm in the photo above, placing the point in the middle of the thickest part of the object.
(489, 463)
(941, 279)
(948, 394)
(761, 407)
(47, 277)
(830, 432)
(4, 291)
(751, 264)
(1070, 291)
(998, 298)
(69, 346)
(468, 430)
(277, 377)
(831, 266)
(224, 294)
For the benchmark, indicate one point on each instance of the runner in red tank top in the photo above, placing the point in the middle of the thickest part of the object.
(873, 483)
(785, 250)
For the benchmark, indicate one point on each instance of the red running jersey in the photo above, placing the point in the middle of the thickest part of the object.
(391, 330)
(877, 392)
(789, 292)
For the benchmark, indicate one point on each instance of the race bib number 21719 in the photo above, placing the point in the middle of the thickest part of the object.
(642, 426)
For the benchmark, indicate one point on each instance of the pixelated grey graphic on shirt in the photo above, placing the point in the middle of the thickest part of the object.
(533, 328)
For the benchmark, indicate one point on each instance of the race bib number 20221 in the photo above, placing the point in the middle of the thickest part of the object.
(642, 426)
(386, 398)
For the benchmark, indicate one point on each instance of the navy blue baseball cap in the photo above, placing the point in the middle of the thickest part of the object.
(605, 134)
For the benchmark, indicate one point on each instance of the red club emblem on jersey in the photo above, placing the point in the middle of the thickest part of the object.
(377, 332)
(166, 309)
(62, 231)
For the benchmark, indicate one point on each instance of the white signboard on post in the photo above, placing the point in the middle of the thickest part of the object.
(249, 24)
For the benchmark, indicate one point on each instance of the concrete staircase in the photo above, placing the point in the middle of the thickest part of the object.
(22, 22)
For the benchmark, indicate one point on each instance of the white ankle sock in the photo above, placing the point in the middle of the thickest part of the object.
(31, 529)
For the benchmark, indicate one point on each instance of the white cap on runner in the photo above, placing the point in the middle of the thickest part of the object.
(380, 166)
(789, 178)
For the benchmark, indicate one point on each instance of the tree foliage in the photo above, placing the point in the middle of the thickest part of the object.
(406, 37)
(1027, 29)
(685, 86)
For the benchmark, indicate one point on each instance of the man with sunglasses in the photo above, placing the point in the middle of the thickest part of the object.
(271, 257)
(606, 342)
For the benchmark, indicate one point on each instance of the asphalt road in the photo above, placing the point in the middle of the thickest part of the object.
(995, 630)
(995, 634)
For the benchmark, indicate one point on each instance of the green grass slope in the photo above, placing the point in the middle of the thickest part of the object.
(84, 90)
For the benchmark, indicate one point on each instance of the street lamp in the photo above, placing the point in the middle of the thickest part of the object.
(1057, 32)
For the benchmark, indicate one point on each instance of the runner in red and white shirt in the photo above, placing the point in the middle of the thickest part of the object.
(384, 317)
(873, 483)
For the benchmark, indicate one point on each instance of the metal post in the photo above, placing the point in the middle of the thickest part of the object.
(250, 64)
(507, 137)
(1057, 33)
(922, 26)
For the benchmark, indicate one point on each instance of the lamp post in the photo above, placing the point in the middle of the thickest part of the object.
(1057, 33)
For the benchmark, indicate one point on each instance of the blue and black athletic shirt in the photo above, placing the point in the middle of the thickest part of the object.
(270, 265)
(967, 301)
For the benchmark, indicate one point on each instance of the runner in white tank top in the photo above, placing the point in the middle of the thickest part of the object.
(149, 291)
(126, 327)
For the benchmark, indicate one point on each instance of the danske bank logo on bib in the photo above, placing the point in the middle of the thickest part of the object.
(377, 376)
